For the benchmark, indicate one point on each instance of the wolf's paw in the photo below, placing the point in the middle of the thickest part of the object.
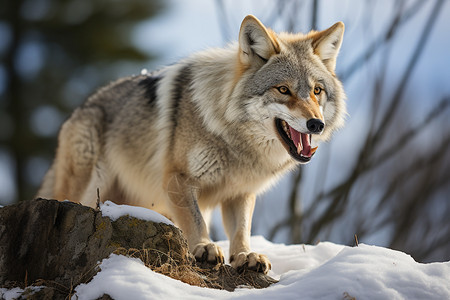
(250, 261)
(208, 252)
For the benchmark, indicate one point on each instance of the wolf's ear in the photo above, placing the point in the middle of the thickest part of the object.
(256, 43)
(326, 44)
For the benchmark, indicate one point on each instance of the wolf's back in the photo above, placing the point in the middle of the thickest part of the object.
(117, 120)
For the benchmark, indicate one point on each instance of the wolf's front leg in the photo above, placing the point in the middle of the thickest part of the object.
(183, 194)
(237, 217)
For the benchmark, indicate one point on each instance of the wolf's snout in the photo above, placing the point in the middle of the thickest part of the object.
(315, 125)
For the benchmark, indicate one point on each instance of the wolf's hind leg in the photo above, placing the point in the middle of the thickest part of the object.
(183, 195)
(237, 219)
(98, 186)
(77, 153)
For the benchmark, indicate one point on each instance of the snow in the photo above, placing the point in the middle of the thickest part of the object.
(16, 292)
(114, 211)
(323, 271)
(10, 294)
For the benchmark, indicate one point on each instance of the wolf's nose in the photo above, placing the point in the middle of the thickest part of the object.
(315, 125)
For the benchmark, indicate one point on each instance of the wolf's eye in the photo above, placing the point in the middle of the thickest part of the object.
(284, 90)
(317, 90)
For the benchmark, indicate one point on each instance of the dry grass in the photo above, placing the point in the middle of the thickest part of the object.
(182, 269)
(197, 274)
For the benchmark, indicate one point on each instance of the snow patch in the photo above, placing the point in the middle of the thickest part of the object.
(15, 293)
(10, 294)
(128, 278)
(323, 271)
(114, 212)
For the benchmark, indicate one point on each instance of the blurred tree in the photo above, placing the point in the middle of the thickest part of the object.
(53, 54)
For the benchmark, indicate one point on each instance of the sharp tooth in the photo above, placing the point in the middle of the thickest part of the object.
(313, 150)
(299, 146)
(286, 128)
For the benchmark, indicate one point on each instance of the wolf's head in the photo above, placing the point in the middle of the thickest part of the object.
(286, 82)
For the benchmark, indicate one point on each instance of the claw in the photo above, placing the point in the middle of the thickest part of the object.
(209, 253)
(250, 261)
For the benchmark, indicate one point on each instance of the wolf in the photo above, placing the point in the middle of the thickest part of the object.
(216, 128)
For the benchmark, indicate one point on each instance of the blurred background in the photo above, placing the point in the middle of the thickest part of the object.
(384, 178)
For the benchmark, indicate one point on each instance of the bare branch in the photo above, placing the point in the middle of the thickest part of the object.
(315, 14)
(398, 95)
(392, 29)
(406, 137)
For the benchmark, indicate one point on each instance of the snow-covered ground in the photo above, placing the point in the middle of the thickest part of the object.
(323, 271)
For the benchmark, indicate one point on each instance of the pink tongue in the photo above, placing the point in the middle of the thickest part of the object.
(295, 136)
(306, 145)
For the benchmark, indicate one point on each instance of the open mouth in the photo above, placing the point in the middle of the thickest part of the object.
(297, 143)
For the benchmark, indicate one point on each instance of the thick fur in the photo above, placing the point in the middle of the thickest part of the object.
(202, 133)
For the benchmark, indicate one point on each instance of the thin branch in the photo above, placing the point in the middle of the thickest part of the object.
(377, 43)
(424, 167)
(314, 14)
(294, 219)
(403, 140)
(417, 200)
(398, 95)
(277, 11)
(419, 164)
